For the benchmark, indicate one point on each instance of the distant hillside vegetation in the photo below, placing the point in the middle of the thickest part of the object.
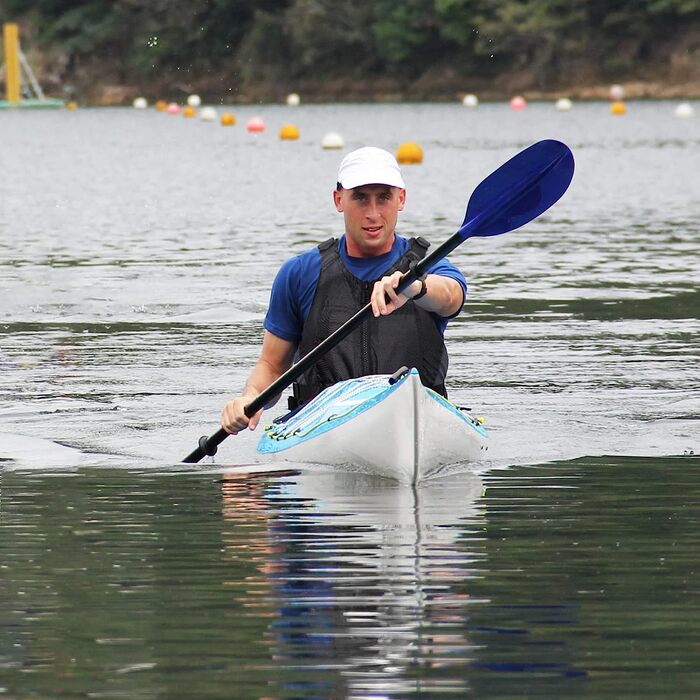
(111, 50)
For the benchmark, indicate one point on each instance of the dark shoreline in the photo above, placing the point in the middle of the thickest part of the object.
(387, 92)
(443, 85)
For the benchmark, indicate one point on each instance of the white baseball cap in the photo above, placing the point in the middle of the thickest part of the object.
(369, 166)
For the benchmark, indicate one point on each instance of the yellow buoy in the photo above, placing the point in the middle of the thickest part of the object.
(189, 111)
(409, 153)
(161, 105)
(618, 108)
(289, 132)
(72, 106)
(228, 119)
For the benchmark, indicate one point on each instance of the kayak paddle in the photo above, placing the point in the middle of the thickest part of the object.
(519, 191)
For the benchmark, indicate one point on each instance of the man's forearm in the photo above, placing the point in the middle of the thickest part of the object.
(444, 296)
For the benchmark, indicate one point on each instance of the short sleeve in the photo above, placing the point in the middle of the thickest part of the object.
(292, 294)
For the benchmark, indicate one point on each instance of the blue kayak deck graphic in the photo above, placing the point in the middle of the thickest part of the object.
(337, 405)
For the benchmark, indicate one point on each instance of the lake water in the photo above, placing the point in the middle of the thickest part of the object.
(136, 254)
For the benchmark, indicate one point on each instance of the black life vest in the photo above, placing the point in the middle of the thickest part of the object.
(408, 336)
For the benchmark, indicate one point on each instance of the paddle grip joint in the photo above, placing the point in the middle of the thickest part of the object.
(208, 447)
(420, 275)
(415, 273)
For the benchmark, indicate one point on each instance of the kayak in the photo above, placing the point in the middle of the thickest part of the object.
(387, 425)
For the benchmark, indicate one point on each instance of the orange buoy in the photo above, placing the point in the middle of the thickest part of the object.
(289, 132)
(618, 108)
(161, 105)
(409, 153)
(228, 119)
(189, 112)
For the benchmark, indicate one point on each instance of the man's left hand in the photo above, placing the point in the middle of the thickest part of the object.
(384, 298)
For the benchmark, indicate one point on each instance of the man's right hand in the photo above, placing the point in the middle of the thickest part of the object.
(234, 419)
(275, 358)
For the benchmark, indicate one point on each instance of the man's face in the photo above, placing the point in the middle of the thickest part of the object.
(370, 213)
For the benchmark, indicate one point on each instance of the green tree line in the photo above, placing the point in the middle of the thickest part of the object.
(282, 41)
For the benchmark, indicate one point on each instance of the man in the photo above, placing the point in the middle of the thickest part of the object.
(315, 292)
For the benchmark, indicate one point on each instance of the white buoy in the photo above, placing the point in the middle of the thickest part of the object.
(617, 92)
(293, 99)
(332, 140)
(470, 101)
(140, 103)
(563, 104)
(194, 100)
(684, 110)
(208, 114)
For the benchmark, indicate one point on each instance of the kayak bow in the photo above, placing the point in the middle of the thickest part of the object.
(388, 426)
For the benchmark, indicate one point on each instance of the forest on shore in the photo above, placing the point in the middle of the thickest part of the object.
(109, 51)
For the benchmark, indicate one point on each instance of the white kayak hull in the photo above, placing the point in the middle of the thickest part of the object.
(399, 430)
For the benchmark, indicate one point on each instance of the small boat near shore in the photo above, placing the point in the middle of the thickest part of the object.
(387, 425)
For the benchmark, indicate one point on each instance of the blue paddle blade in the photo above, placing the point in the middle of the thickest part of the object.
(520, 190)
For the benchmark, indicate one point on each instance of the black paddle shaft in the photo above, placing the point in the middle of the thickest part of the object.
(209, 445)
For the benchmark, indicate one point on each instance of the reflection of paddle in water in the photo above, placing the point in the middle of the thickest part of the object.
(367, 576)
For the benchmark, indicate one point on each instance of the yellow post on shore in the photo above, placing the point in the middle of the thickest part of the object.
(12, 79)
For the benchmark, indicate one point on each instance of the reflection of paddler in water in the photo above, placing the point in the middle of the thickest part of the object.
(368, 575)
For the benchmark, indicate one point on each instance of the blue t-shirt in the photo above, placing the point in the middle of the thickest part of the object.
(294, 287)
